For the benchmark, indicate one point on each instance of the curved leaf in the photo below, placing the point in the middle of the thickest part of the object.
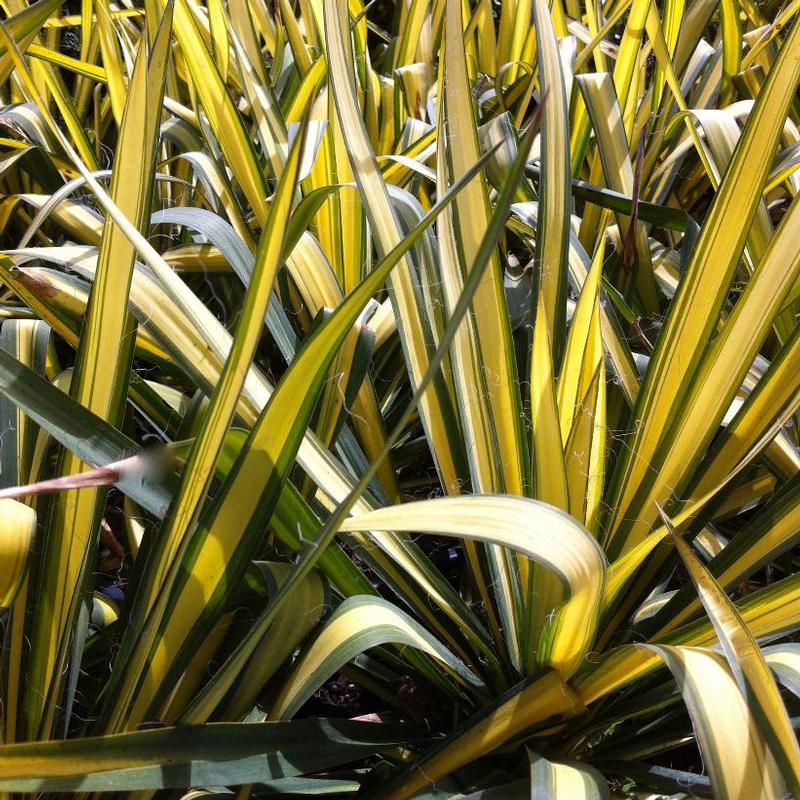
(542, 533)
(357, 625)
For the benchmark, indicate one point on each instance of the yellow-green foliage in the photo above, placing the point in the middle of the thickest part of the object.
(467, 333)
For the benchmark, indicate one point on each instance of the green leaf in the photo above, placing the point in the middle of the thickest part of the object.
(207, 755)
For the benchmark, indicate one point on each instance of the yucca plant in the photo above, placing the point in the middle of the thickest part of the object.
(398, 400)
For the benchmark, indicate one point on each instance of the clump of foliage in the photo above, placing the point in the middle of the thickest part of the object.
(397, 399)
